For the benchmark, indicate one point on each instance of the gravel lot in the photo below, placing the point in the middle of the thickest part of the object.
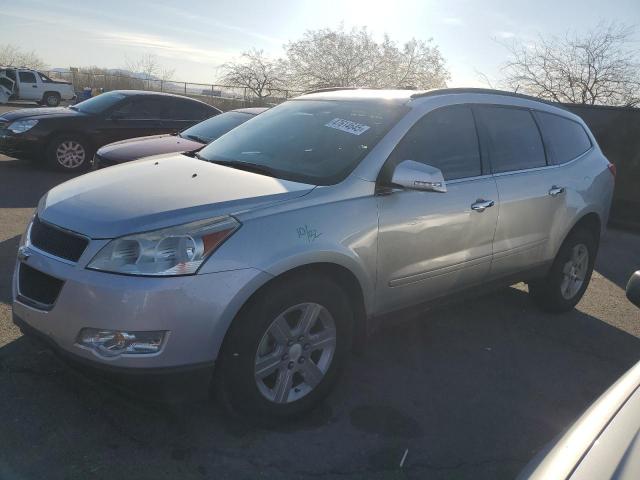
(472, 390)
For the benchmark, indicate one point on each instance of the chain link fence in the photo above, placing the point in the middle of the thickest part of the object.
(224, 97)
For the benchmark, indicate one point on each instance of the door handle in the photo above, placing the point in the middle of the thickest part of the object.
(34, 86)
(482, 205)
(555, 191)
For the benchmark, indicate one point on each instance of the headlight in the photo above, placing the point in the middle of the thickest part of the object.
(171, 251)
(21, 126)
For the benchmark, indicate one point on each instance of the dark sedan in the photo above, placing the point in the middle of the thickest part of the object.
(68, 137)
(189, 140)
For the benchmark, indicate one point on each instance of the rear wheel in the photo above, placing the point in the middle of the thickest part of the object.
(285, 350)
(69, 153)
(51, 99)
(569, 277)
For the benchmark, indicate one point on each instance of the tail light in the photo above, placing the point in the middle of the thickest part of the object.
(612, 169)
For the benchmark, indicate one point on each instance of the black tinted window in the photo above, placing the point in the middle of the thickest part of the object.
(178, 109)
(446, 139)
(565, 138)
(140, 109)
(514, 139)
(27, 77)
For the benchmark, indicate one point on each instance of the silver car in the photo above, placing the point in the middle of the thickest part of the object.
(297, 233)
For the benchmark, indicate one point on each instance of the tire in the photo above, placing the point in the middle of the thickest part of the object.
(51, 99)
(69, 153)
(267, 333)
(570, 273)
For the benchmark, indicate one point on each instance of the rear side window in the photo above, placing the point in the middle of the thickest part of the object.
(145, 108)
(446, 139)
(27, 77)
(178, 109)
(513, 137)
(564, 138)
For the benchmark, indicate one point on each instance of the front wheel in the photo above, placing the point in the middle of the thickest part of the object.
(286, 348)
(569, 276)
(69, 153)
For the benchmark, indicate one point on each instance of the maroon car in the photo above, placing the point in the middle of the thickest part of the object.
(189, 140)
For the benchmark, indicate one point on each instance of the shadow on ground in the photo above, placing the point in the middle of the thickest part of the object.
(16, 193)
(469, 395)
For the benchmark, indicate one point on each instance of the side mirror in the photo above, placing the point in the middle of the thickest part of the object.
(414, 175)
(633, 289)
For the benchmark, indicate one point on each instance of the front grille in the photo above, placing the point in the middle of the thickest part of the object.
(38, 287)
(58, 242)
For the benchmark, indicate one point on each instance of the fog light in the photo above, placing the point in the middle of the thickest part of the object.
(111, 343)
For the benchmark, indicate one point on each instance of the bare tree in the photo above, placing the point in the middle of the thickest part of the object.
(598, 67)
(10, 55)
(255, 72)
(150, 67)
(339, 58)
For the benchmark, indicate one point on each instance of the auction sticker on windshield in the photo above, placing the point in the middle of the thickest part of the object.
(347, 126)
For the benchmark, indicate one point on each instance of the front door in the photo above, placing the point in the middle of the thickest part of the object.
(431, 244)
(30, 88)
(138, 116)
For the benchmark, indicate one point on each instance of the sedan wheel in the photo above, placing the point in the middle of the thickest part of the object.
(70, 154)
(295, 353)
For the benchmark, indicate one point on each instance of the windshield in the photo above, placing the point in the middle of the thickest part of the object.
(100, 103)
(312, 141)
(215, 127)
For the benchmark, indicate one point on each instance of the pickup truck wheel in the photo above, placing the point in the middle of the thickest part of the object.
(51, 99)
(69, 153)
(569, 277)
(285, 350)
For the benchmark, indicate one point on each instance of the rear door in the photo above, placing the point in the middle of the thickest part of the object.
(30, 87)
(530, 194)
(431, 244)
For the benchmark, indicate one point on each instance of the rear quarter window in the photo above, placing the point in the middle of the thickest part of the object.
(565, 139)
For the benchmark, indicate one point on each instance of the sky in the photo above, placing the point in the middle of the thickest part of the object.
(195, 37)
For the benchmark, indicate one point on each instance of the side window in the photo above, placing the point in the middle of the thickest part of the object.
(140, 109)
(27, 77)
(514, 139)
(446, 139)
(565, 138)
(178, 109)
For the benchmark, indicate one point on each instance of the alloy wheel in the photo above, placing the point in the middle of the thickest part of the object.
(575, 271)
(70, 154)
(295, 353)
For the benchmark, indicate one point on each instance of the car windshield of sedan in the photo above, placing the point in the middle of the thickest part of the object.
(99, 104)
(214, 127)
(312, 141)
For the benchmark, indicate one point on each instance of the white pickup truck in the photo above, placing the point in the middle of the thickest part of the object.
(31, 85)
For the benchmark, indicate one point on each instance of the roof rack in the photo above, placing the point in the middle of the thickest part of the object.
(335, 89)
(441, 91)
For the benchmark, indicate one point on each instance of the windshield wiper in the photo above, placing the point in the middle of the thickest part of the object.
(247, 166)
(194, 137)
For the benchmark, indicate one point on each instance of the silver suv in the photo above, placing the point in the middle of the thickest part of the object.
(284, 241)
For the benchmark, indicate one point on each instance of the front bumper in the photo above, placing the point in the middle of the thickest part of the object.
(23, 145)
(195, 310)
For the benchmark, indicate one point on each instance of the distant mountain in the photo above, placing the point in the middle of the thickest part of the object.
(114, 71)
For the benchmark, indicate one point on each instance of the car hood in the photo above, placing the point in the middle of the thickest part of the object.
(37, 113)
(135, 148)
(159, 192)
